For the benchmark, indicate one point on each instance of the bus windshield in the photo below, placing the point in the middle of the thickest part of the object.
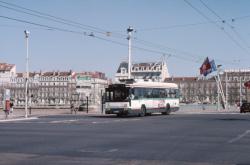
(116, 93)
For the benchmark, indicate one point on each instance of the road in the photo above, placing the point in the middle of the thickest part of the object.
(174, 139)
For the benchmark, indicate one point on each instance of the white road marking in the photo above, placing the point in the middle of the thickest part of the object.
(206, 113)
(62, 121)
(18, 119)
(114, 121)
(100, 151)
(240, 136)
(113, 150)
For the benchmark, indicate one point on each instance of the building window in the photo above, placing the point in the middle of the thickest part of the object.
(123, 71)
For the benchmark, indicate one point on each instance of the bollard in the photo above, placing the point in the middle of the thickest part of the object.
(101, 101)
(30, 110)
(87, 104)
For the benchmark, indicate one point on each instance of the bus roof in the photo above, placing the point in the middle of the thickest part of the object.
(153, 85)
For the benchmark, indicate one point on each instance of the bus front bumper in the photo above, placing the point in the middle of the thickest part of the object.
(123, 111)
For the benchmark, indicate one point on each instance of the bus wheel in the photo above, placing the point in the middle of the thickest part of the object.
(167, 111)
(143, 111)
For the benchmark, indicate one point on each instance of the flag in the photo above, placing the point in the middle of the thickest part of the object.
(207, 67)
(213, 66)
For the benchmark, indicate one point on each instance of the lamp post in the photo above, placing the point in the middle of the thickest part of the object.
(129, 30)
(27, 72)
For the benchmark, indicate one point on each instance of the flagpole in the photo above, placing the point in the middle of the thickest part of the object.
(218, 87)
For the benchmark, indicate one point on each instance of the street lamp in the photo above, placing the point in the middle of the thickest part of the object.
(27, 72)
(129, 31)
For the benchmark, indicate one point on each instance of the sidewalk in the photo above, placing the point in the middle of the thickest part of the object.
(20, 113)
(36, 113)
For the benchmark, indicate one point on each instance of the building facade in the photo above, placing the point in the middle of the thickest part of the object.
(91, 85)
(6, 72)
(200, 90)
(56, 88)
(154, 71)
(44, 88)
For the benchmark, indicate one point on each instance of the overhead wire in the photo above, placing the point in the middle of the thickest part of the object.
(86, 27)
(41, 25)
(172, 26)
(226, 22)
(90, 35)
(52, 18)
(49, 17)
(64, 21)
(226, 33)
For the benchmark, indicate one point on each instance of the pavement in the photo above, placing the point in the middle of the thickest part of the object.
(19, 114)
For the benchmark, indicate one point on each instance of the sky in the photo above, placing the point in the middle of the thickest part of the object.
(90, 35)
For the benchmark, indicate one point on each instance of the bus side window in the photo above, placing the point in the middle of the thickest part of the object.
(173, 93)
(132, 94)
(156, 93)
(161, 93)
(148, 93)
(137, 93)
(167, 93)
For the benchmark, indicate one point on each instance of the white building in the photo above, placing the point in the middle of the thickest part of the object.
(7, 71)
(44, 88)
(91, 85)
(154, 71)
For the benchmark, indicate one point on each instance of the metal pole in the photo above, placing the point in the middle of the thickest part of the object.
(27, 72)
(240, 92)
(226, 91)
(218, 91)
(87, 104)
(129, 30)
(101, 101)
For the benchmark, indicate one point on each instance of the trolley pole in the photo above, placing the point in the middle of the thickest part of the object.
(129, 30)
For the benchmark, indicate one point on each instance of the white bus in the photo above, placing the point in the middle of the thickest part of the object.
(141, 98)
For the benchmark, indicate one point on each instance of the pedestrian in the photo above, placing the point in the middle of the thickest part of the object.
(72, 107)
(11, 107)
(6, 108)
(30, 109)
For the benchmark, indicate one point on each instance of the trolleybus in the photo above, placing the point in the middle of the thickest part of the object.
(141, 98)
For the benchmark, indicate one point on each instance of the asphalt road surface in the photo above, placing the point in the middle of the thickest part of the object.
(175, 139)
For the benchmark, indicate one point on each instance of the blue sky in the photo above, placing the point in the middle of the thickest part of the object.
(162, 27)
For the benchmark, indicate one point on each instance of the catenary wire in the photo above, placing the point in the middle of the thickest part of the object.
(92, 35)
(226, 22)
(79, 25)
(227, 34)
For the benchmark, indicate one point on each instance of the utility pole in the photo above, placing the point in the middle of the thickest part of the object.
(226, 90)
(129, 30)
(27, 72)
